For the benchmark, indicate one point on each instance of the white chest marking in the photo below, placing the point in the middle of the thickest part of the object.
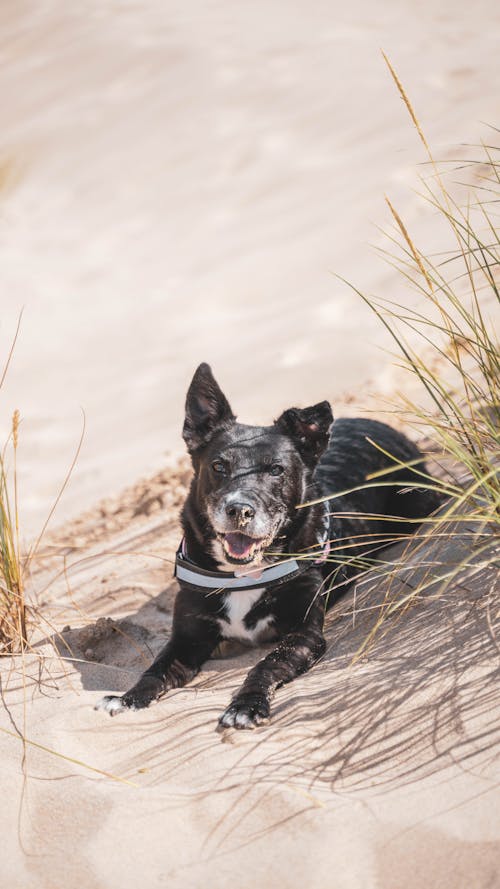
(238, 603)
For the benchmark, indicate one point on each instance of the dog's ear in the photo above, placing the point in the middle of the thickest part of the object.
(207, 409)
(309, 427)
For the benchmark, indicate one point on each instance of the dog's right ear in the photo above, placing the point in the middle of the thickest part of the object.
(309, 428)
(207, 409)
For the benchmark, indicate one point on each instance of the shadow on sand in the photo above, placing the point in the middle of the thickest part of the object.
(422, 696)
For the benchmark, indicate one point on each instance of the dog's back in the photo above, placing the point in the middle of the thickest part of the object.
(386, 482)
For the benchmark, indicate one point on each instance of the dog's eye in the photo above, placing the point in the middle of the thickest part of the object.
(276, 469)
(218, 466)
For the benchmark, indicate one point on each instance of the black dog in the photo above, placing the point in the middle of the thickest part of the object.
(254, 566)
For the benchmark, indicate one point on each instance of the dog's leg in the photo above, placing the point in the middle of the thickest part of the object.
(177, 663)
(295, 654)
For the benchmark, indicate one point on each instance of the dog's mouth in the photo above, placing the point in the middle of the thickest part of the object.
(241, 548)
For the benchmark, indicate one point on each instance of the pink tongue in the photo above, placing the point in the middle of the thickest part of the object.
(239, 544)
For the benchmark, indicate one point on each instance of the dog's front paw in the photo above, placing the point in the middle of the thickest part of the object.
(148, 689)
(247, 711)
(112, 704)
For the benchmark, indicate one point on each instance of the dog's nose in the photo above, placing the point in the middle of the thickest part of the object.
(237, 510)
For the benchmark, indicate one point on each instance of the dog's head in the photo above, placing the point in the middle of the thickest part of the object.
(249, 479)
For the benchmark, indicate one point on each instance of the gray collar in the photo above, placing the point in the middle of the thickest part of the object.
(217, 581)
(190, 574)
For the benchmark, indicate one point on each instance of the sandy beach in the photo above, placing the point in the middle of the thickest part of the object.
(383, 774)
(183, 185)
(180, 184)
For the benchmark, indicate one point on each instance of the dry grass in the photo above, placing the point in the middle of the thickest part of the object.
(449, 343)
(12, 602)
(449, 346)
(14, 566)
(17, 620)
(13, 633)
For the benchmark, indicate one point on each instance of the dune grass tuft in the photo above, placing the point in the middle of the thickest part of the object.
(15, 565)
(12, 601)
(448, 344)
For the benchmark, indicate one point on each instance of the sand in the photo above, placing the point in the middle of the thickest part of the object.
(382, 773)
(177, 184)
(181, 183)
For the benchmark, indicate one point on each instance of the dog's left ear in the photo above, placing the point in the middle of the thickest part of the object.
(309, 427)
(207, 409)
